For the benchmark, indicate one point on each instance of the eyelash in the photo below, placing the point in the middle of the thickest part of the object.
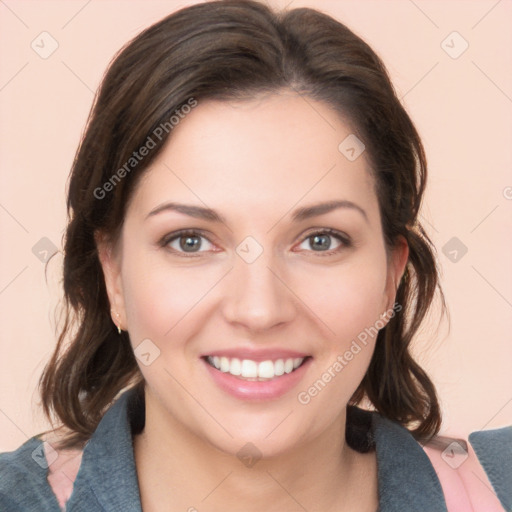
(167, 239)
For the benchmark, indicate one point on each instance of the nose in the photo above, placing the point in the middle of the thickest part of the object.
(258, 295)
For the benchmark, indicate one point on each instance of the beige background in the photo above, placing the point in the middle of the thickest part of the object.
(461, 106)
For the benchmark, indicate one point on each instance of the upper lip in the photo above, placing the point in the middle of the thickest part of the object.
(257, 355)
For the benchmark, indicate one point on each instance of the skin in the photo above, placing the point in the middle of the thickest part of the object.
(254, 162)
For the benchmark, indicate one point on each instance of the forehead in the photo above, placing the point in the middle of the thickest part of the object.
(273, 152)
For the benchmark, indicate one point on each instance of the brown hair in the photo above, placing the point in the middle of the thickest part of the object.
(235, 49)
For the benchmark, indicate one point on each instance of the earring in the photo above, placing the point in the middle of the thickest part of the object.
(116, 324)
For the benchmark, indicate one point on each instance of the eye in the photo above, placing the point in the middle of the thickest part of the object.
(189, 242)
(185, 242)
(322, 240)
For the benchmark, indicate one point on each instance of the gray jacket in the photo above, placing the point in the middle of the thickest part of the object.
(107, 479)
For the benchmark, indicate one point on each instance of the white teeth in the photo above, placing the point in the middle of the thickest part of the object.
(266, 370)
(249, 368)
(279, 367)
(224, 364)
(253, 370)
(235, 368)
(288, 366)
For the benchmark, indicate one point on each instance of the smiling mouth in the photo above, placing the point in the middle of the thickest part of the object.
(247, 369)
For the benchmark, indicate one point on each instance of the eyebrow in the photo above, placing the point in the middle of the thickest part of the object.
(300, 214)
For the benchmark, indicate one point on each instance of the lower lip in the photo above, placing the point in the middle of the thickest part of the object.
(257, 390)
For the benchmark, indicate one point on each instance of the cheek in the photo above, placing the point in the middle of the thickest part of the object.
(160, 297)
(350, 297)
(348, 302)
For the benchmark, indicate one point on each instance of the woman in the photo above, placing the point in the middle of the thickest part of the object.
(244, 266)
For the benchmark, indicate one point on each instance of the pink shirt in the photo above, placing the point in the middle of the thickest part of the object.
(466, 488)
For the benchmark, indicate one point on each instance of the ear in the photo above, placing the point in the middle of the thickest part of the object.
(397, 260)
(110, 260)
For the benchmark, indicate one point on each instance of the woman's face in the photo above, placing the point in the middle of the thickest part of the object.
(263, 289)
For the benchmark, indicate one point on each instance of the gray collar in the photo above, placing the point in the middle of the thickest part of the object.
(107, 475)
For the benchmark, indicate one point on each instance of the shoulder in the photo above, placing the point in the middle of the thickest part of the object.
(464, 472)
(23, 479)
(494, 451)
(493, 444)
(23, 462)
(40, 476)
(468, 483)
(38, 473)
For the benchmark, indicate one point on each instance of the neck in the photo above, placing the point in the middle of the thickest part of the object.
(178, 470)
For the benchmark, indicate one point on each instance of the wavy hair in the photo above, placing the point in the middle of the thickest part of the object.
(235, 50)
